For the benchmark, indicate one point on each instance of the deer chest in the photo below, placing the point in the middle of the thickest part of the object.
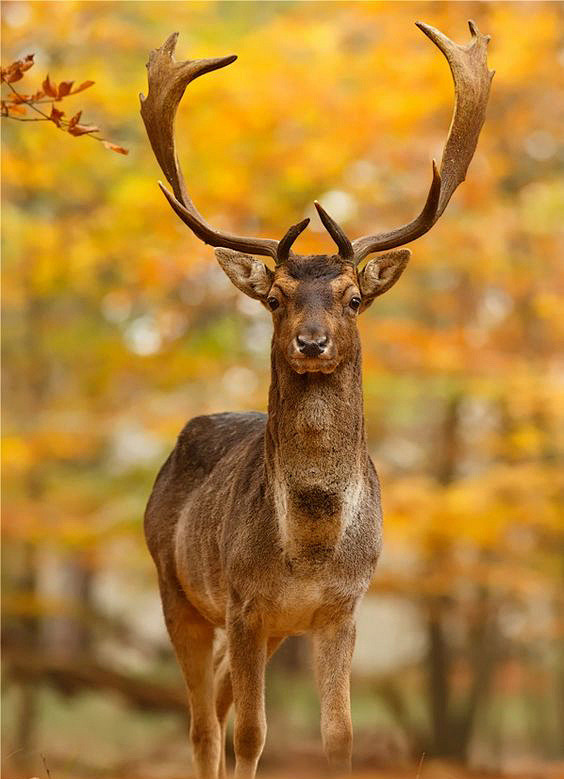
(295, 606)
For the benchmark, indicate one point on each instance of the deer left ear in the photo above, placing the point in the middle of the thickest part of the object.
(381, 273)
(247, 273)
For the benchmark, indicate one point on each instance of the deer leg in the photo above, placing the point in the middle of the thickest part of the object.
(247, 659)
(332, 652)
(192, 638)
(223, 695)
(224, 690)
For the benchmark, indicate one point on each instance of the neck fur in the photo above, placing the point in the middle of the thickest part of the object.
(315, 453)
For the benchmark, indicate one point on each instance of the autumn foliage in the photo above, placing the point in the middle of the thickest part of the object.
(16, 104)
(118, 326)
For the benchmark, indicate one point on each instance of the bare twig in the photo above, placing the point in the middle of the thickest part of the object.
(44, 760)
(420, 766)
(22, 99)
(22, 119)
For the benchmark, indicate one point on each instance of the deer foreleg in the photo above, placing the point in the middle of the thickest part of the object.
(224, 690)
(333, 648)
(247, 659)
(192, 639)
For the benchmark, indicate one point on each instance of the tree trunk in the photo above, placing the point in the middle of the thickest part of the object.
(438, 676)
(439, 656)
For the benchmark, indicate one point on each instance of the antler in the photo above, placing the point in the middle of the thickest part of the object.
(167, 81)
(468, 64)
(472, 79)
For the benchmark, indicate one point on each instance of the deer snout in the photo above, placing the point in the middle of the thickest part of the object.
(311, 346)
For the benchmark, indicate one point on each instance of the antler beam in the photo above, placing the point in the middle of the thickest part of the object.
(472, 79)
(167, 82)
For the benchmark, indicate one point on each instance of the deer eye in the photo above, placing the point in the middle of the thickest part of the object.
(272, 303)
(354, 303)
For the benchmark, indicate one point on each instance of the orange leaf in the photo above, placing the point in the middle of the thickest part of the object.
(114, 147)
(16, 69)
(75, 119)
(83, 129)
(11, 74)
(84, 85)
(64, 88)
(14, 108)
(49, 88)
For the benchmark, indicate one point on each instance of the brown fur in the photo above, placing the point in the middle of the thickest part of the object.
(263, 526)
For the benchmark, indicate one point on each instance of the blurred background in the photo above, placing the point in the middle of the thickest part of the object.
(118, 326)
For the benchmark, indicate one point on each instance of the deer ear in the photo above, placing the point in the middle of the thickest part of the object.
(381, 273)
(246, 272)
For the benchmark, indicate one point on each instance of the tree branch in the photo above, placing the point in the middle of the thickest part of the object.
(70, 677)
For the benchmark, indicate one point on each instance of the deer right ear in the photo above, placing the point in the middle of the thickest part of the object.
(381, 273)
(246, 272)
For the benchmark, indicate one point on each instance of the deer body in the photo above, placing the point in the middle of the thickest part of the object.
(273, 522)
(263, 526)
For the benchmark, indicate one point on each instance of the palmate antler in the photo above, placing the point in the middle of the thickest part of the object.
(168, 80)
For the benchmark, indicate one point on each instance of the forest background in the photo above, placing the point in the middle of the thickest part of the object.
(118, 326)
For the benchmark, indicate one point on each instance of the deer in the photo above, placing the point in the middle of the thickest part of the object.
(262, 526)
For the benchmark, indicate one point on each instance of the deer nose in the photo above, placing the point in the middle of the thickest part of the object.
(311, 347)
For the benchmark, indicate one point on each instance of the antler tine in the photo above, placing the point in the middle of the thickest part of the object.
(336, 232)
(472, 79)
(167, 82)
(288, 240)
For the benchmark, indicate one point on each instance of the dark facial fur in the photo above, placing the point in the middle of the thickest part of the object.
(313, 298)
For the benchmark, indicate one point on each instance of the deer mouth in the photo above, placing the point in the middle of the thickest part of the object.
(322, 364)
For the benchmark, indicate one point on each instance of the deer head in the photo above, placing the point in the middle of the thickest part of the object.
(316, 299)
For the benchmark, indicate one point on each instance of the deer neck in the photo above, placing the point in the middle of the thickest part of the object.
(316, 454)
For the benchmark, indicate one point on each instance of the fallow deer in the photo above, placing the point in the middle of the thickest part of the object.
(263, 526)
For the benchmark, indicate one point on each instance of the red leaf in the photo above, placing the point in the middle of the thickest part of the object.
(49, 88)
(114, 147)
(84, 85)
(64, 88)
(75, 119)
(56, 116)
(83, 129)
(37, 95)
